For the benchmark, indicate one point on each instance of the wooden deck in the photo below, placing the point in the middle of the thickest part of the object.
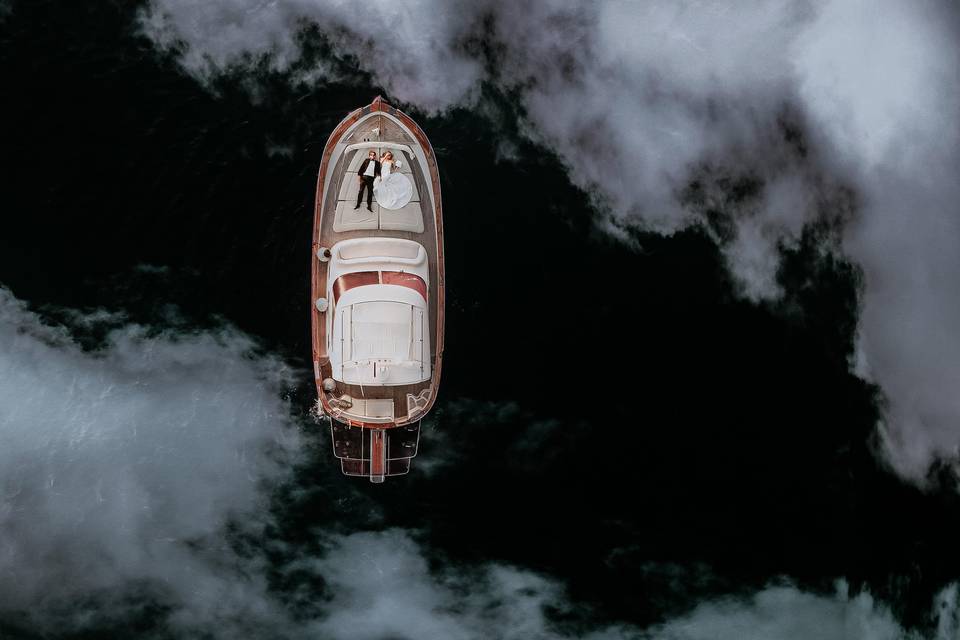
(431, 239)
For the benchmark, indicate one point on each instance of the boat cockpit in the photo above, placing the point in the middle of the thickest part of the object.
(380, 324)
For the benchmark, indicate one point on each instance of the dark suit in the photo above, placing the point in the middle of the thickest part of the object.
(366, 182)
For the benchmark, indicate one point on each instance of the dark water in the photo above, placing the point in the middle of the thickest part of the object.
(664, 443)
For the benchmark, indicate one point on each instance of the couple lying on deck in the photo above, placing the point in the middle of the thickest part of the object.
(383, 179)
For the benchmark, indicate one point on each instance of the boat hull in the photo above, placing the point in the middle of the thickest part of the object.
(366, 412)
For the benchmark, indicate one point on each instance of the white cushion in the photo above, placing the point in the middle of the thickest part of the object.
(349, 219)
(407, 218)
(350, 187)
(370, 408)
(366, 248)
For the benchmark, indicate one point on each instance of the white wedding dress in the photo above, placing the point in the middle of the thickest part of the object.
(392, 190)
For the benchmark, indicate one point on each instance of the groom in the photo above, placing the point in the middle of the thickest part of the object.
(369, 169)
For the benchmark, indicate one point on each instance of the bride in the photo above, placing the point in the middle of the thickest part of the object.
(392, 189)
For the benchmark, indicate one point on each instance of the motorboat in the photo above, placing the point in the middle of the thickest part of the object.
(377, 304)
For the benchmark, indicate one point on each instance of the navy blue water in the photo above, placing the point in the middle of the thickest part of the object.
(666, 443)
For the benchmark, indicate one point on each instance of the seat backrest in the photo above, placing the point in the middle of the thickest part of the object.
(376, 247)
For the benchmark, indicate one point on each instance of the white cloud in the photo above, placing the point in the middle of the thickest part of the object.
(121, 467)
(405, 44)
(382, 586)
(786, 613)
(884, 97)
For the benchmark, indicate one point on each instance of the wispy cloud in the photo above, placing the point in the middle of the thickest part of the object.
(786, 613)
(122, 467)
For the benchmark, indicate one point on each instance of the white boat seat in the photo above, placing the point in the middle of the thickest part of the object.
(407, 218)
(370, 408)
(388, 250)
(349, 219)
